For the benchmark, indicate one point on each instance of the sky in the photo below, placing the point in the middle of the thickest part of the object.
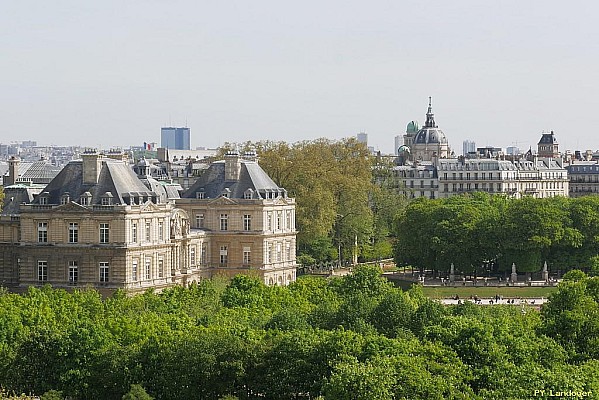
(112, 73)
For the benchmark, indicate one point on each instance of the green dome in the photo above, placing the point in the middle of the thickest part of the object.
(403, 149)
(412, 127)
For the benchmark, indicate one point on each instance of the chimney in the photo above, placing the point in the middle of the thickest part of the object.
(118, 155)
(92, 164)
(13, 171)
(232, 166)
(250, 156)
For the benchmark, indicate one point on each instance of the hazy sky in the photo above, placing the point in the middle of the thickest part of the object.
(111, 73)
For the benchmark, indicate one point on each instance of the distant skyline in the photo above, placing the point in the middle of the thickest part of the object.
(110, 73)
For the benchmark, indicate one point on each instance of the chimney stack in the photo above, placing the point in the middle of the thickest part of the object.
(13, 171)
(92, 164)
(232, 166)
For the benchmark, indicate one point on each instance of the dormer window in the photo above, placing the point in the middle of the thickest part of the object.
(85, 199)
(65, 198)
(106, 199)
(201, 194)
(248, 194)
(44, 198)
(226, 192)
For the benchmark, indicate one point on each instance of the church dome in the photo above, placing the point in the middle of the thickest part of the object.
(430, 142)
(430, 136)
(430, 132)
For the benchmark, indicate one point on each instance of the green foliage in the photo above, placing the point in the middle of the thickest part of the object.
(52, 395)
(469, 231)
(574, 275)
(352, 380)
(572, 317)
(354, 337)
(137, 392)
(343, 194)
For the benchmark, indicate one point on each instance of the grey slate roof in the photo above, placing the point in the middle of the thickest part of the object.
(583, 167)
(15, 195)
(115, 177)
(37, 172)
(548, 138)
(212, 182)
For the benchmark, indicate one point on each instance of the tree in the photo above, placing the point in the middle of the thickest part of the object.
(137, 392)
(331, 181)
(572, 317)
(353, 380)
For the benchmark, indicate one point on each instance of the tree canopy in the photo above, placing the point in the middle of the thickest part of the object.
(469, 231)
(355, 337)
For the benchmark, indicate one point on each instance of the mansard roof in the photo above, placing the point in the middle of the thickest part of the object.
(15, 195)
(548, 138)
(251, 176)
(115, 177)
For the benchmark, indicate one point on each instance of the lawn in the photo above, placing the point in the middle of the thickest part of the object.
(487, 291)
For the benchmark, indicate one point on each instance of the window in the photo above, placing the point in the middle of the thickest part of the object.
(148, 230)
(84, 200)
(160, 231)
(247, 222)
(73, 272)
(288, 220)
(42, 271)
(203, 253)
(269, 222)
(269, 253)
(247, 255)
(224, 222)
(279, 252)
(148, 269)
(200, 195)
(224, 257)
(134, 232)
(160, 268)
(104, 232)
(192, 255)
(64, 199)
(288, 251)
(106, 201)
(279, 218)
(104, 271)
(43, 200)
(134, 271)
(73, 232)
(42, 232)
(248, 194)
(199, 221)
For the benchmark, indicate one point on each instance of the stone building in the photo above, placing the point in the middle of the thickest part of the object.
(584, 178)
(548, 146)
(99, 224)
(249, 220)
(540, 178)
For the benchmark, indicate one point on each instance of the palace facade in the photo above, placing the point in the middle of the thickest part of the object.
(99, 224)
